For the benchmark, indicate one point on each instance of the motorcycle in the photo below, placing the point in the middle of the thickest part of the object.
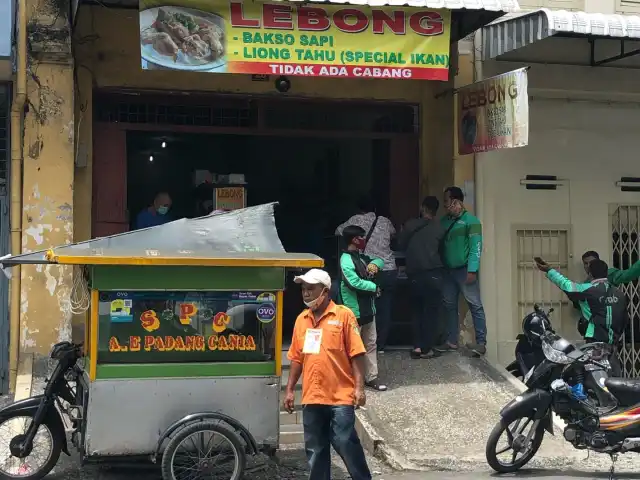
(34, 427)
(529, 353)
(527, 356)
(602, 413)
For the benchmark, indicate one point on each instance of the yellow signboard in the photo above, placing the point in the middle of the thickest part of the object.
(318, 40)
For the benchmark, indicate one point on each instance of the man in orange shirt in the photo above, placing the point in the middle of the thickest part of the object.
(326, 347)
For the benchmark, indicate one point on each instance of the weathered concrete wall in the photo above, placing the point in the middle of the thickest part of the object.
(464, 169)
(45, 315)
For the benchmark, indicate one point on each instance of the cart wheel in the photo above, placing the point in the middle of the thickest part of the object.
(204, 450)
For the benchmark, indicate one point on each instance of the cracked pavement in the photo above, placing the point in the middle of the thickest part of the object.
(291, 465)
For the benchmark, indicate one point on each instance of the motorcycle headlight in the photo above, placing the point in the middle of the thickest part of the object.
(554, 355)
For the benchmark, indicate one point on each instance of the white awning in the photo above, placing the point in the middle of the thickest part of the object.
(517, 30)
(467, 17)
(491, 5)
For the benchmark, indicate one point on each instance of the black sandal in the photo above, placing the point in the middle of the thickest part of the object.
(430, 354)
(375, 385)
(415, 355)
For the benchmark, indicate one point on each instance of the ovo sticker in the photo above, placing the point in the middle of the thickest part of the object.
(120, 310)
(266, 312)
(266, 297)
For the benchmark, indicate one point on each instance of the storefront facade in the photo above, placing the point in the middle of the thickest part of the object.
(81, 190)
(573, 188)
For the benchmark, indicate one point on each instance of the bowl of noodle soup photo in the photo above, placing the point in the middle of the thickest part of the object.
(181, 38)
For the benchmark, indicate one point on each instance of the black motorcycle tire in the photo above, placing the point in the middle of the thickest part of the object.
(232, 437)
(56, 449)
(492, 443)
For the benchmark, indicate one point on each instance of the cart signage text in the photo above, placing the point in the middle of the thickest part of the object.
(187, 326)
(256, 38)
(190, 343)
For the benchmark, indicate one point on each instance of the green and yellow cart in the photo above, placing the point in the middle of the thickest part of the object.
(180, 347)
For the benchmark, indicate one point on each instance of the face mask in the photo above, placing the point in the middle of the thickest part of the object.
(313, 304)
(162, 210)
(455, 208)
(360, 243)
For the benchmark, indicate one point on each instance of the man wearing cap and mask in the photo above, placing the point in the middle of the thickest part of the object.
(156, 214)
(326, 347)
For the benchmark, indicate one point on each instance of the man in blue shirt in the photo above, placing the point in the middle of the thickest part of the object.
(156, 214)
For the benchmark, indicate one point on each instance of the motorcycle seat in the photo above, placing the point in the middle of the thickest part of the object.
(626, 390)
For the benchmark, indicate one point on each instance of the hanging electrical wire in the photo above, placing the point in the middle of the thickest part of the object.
(80, 298)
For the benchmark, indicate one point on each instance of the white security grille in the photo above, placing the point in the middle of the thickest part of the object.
(625, 223)
(532, 285)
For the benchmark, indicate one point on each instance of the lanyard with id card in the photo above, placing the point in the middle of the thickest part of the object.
(312, 341)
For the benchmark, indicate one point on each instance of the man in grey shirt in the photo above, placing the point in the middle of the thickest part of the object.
(420, 239)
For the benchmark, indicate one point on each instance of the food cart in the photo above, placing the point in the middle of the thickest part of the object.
(182, 352)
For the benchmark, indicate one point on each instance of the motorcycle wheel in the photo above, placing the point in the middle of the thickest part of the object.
(514, 435)
(12, 430)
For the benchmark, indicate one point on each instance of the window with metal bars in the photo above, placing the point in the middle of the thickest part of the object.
(244, 113)
(173, 114)
(340, 117)
(552, 244)
(625, 225)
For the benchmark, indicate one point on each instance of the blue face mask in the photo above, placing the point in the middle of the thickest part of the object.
(162, 210)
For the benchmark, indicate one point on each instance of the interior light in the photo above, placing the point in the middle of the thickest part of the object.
(164, 144)
(151, 158)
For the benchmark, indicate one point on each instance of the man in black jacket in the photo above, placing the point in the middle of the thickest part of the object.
(603, 306)
(421, 239)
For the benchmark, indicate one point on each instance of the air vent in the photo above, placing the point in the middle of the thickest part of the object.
(541, 182)
(629, 184)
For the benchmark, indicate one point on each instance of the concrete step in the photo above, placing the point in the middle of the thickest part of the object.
(284, 379)
(291, 430)
(291, 434)
(294, 418)
(285, 361)
(297, 399)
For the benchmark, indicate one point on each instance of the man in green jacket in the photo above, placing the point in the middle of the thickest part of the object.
(615, 276)
(359, 291)
(461, 250)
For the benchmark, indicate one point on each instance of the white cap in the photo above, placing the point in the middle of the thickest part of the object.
(314, 276)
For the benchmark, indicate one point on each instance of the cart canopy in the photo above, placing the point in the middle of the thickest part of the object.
(246, 237)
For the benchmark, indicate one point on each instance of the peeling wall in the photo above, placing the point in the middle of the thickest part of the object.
(45, 314)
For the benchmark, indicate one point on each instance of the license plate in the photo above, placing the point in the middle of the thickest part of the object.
(528, 375)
